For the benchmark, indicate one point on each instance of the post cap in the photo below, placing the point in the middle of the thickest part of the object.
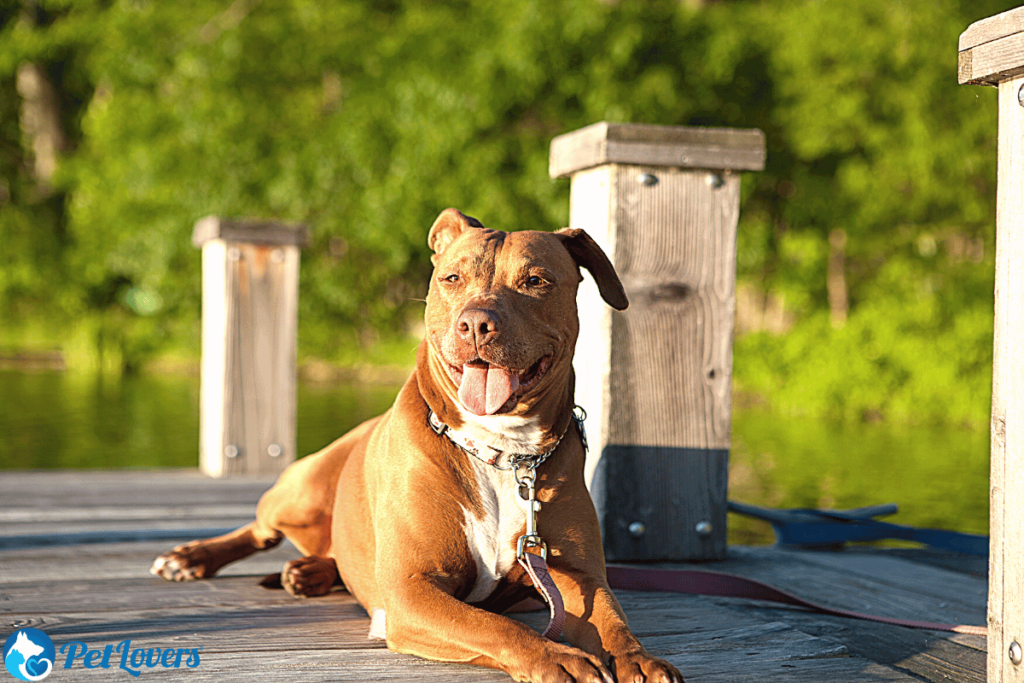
(251, 230)
(648, 145)
(992, 49)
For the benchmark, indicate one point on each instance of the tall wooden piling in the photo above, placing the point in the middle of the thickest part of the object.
(656, 379)
(992, 53)
(250, 320)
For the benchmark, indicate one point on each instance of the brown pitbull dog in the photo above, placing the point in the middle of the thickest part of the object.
(411, 511)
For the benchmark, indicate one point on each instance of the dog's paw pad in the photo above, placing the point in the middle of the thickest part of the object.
(177, 566)
(309, 576)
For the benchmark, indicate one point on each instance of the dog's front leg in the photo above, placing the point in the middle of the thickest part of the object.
(595, 623)
(424, 620)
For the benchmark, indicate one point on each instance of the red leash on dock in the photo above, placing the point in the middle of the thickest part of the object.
(729, 585)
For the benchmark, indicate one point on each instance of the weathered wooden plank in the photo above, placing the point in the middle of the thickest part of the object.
(275, 628)
(387, 666)
(122, 533)
(657, 468)
(108, 507)
(252, 231)
(250, 317)
(671, 146)
(971, 565)
(885, 586)
(992, 62)
(137, 589)
(592, 203)
(103, 594)
(121, 560)
(230, 617)
(992, 28)
(656, 379)
(676, 256)
(890, 571)
(267, 627)
(275, 621)
(327, 665)
(992, 49)
(257, 403)
(767, 652)
(178, 489)
(15, 517)
(1006, 513)
(218, 315)
(845, 670)
(756, 643)
(921, 653)
(995, 54)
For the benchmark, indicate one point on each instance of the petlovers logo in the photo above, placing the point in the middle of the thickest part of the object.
(29, 654)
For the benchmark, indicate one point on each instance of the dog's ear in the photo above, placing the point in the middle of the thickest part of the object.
(449, 225)
(587, 254)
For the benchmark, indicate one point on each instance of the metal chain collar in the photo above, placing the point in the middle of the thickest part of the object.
(513, 461)
(524, 468)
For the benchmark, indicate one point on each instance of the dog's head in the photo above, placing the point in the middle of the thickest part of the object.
(501, 315)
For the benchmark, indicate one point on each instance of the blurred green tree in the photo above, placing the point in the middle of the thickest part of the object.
(365, 118)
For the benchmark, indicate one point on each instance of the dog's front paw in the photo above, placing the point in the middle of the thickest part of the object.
(559, 663)
(640, 667)
(309, 577)
(184, 563)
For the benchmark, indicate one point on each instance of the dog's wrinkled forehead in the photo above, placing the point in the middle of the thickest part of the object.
(472, 245)
(500, 254)
(564, 251)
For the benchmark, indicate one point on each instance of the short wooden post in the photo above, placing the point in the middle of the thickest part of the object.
(992, 53)
(250, 321)
(663, 202)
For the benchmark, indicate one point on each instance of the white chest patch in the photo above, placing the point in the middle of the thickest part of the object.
(492, 537)
(503, 432)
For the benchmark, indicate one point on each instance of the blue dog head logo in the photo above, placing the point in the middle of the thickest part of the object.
(28, 654)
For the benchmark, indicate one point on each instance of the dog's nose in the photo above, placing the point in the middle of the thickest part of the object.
(477, 326)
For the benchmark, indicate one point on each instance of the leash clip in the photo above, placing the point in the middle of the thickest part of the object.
(531, 539)
(534, 541)
(536, 564)
(578, 417)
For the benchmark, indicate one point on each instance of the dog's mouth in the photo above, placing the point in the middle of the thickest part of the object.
(489, 389)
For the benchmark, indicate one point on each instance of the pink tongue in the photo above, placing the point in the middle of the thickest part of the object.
(485, 388)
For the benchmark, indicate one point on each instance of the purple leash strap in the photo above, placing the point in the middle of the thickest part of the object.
(729, 585)
(537, 568)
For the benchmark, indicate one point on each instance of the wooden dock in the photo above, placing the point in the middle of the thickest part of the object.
(76, 547)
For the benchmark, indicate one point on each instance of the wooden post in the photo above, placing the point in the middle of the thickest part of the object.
(992, 53)
(663, 202)
(250, 321)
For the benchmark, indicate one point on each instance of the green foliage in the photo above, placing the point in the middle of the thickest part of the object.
(906, 370)
(365, 119)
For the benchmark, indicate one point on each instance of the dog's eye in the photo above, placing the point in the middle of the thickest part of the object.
(451, 279)
(534, 281)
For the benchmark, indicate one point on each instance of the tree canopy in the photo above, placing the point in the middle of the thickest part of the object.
(364, 118)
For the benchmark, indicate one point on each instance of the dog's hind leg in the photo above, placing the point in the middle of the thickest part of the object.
(298, 507)
(202, 559)
(283, 511)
